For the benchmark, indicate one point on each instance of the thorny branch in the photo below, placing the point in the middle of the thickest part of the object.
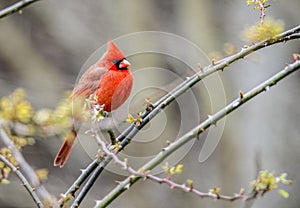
(25, 182)
(243, 98)
(17, 7)
(125, 137)
(26, 168)
(173, 185)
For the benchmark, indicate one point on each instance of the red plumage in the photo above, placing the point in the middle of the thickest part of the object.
(109, 79)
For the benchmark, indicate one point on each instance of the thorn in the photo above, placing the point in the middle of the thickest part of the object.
(210, 117)
(98, 202)
(61, 196)
(168, 142)
(241, 94)
(199, 132)
(200, 67)
(242, 191)
(149, 105)
(213, 61)
(127, 186)
(267, 88)
(72, 194)
(163, 105)
(296, 57)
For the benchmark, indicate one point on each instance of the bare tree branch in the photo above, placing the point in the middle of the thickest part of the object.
(26, 168)
(16, 7)
(25, 183)
(186, 187)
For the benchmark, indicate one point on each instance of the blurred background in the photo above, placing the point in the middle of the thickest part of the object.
(43, 50)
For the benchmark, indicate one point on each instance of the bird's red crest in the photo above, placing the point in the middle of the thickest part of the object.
(112, 54)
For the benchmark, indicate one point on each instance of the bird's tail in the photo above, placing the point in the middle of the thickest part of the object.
(65, 149)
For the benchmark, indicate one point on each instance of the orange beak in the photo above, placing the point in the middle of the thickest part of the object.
(124, 64)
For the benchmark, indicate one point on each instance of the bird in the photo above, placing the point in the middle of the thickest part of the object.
(110, 80)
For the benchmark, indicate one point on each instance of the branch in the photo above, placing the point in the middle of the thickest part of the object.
(173, 185)
(265, 86)
(125, 137)
(133, 129)
(16, 7)
(90, 182)
(70, 193)
(25, 183)
(26, 168)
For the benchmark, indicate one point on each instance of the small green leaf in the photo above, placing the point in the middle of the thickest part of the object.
(283, 180)
(283, 193)
(130, 119)
(178, 168)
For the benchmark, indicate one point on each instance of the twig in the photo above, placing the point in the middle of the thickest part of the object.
(262, 11)
(184, 187)
(26, 168)
(124, 164)
(173, 185)
(16, 7)
(146, 175)
(265, 86)
(112, 136)
(125, 137)
(80, 180)
(89, 183)
(112, 155)
(25, 183)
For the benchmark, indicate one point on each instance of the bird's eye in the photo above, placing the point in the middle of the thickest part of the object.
(121, 64)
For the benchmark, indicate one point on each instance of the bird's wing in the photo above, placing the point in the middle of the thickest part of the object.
(89, 82)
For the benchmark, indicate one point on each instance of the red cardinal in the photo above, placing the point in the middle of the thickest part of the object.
(110, 80)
